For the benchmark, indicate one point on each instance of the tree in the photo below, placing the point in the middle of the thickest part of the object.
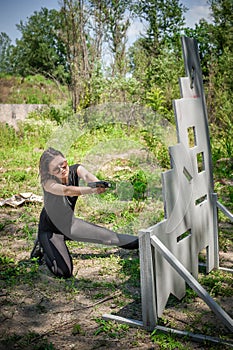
(155, 58)
(165, 20)
(117, 23)
(40, 49)
(74, 35)
(222, 14)
(222, 38)
(5, 53)
(157, 73)
(215, 41)
(203, 34)
(86, 26)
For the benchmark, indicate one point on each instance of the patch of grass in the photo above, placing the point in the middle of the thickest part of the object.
(34, 89)
(167, 342)
(70, 286)
(225, 239)
(109, 265)
(190, 295)
(8, 137)
(13, 273)
(77, 330)
(218, 283)
(111, 329)
(131, 269)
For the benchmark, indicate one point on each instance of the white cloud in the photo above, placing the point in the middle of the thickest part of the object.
(135, 31)
(196, 13)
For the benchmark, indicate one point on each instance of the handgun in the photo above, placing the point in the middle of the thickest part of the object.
(103, 184)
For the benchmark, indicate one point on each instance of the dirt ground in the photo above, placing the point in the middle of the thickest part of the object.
(40, 310)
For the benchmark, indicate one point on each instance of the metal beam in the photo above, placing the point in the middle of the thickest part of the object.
(225, 210)
(188, 335)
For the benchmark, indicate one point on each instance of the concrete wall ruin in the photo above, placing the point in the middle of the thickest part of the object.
(13, 113)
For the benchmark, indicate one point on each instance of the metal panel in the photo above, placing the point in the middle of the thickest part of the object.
(190, 223)
(169, 250)
(149, 311)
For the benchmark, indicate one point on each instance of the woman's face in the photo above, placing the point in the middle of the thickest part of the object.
(59, 167)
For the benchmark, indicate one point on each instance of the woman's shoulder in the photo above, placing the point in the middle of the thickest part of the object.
(49, 185)
(74, 167)
(73, 174)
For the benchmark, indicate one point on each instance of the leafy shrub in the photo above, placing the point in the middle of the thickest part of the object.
(139, 182)
(8, 136)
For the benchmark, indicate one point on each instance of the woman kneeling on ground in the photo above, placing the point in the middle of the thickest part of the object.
(60, 183)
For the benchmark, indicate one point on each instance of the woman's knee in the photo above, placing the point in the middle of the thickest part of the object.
(64, 274)
(63, 271)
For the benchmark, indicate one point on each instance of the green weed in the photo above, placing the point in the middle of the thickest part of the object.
(8, 137)
(218, 283)
(29, 232)
(130, 267)
(2, 226)
(12, 272)
(166, 341)
(77, 330)
(111, 329)
(190, 295)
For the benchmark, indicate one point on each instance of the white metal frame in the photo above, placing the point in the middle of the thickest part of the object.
(169, 250)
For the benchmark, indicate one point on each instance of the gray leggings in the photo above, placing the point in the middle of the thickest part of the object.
(56, 254)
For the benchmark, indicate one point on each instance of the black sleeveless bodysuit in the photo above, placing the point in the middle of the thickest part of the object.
(58, 211)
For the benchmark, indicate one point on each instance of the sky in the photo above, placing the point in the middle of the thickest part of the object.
(12, 11)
